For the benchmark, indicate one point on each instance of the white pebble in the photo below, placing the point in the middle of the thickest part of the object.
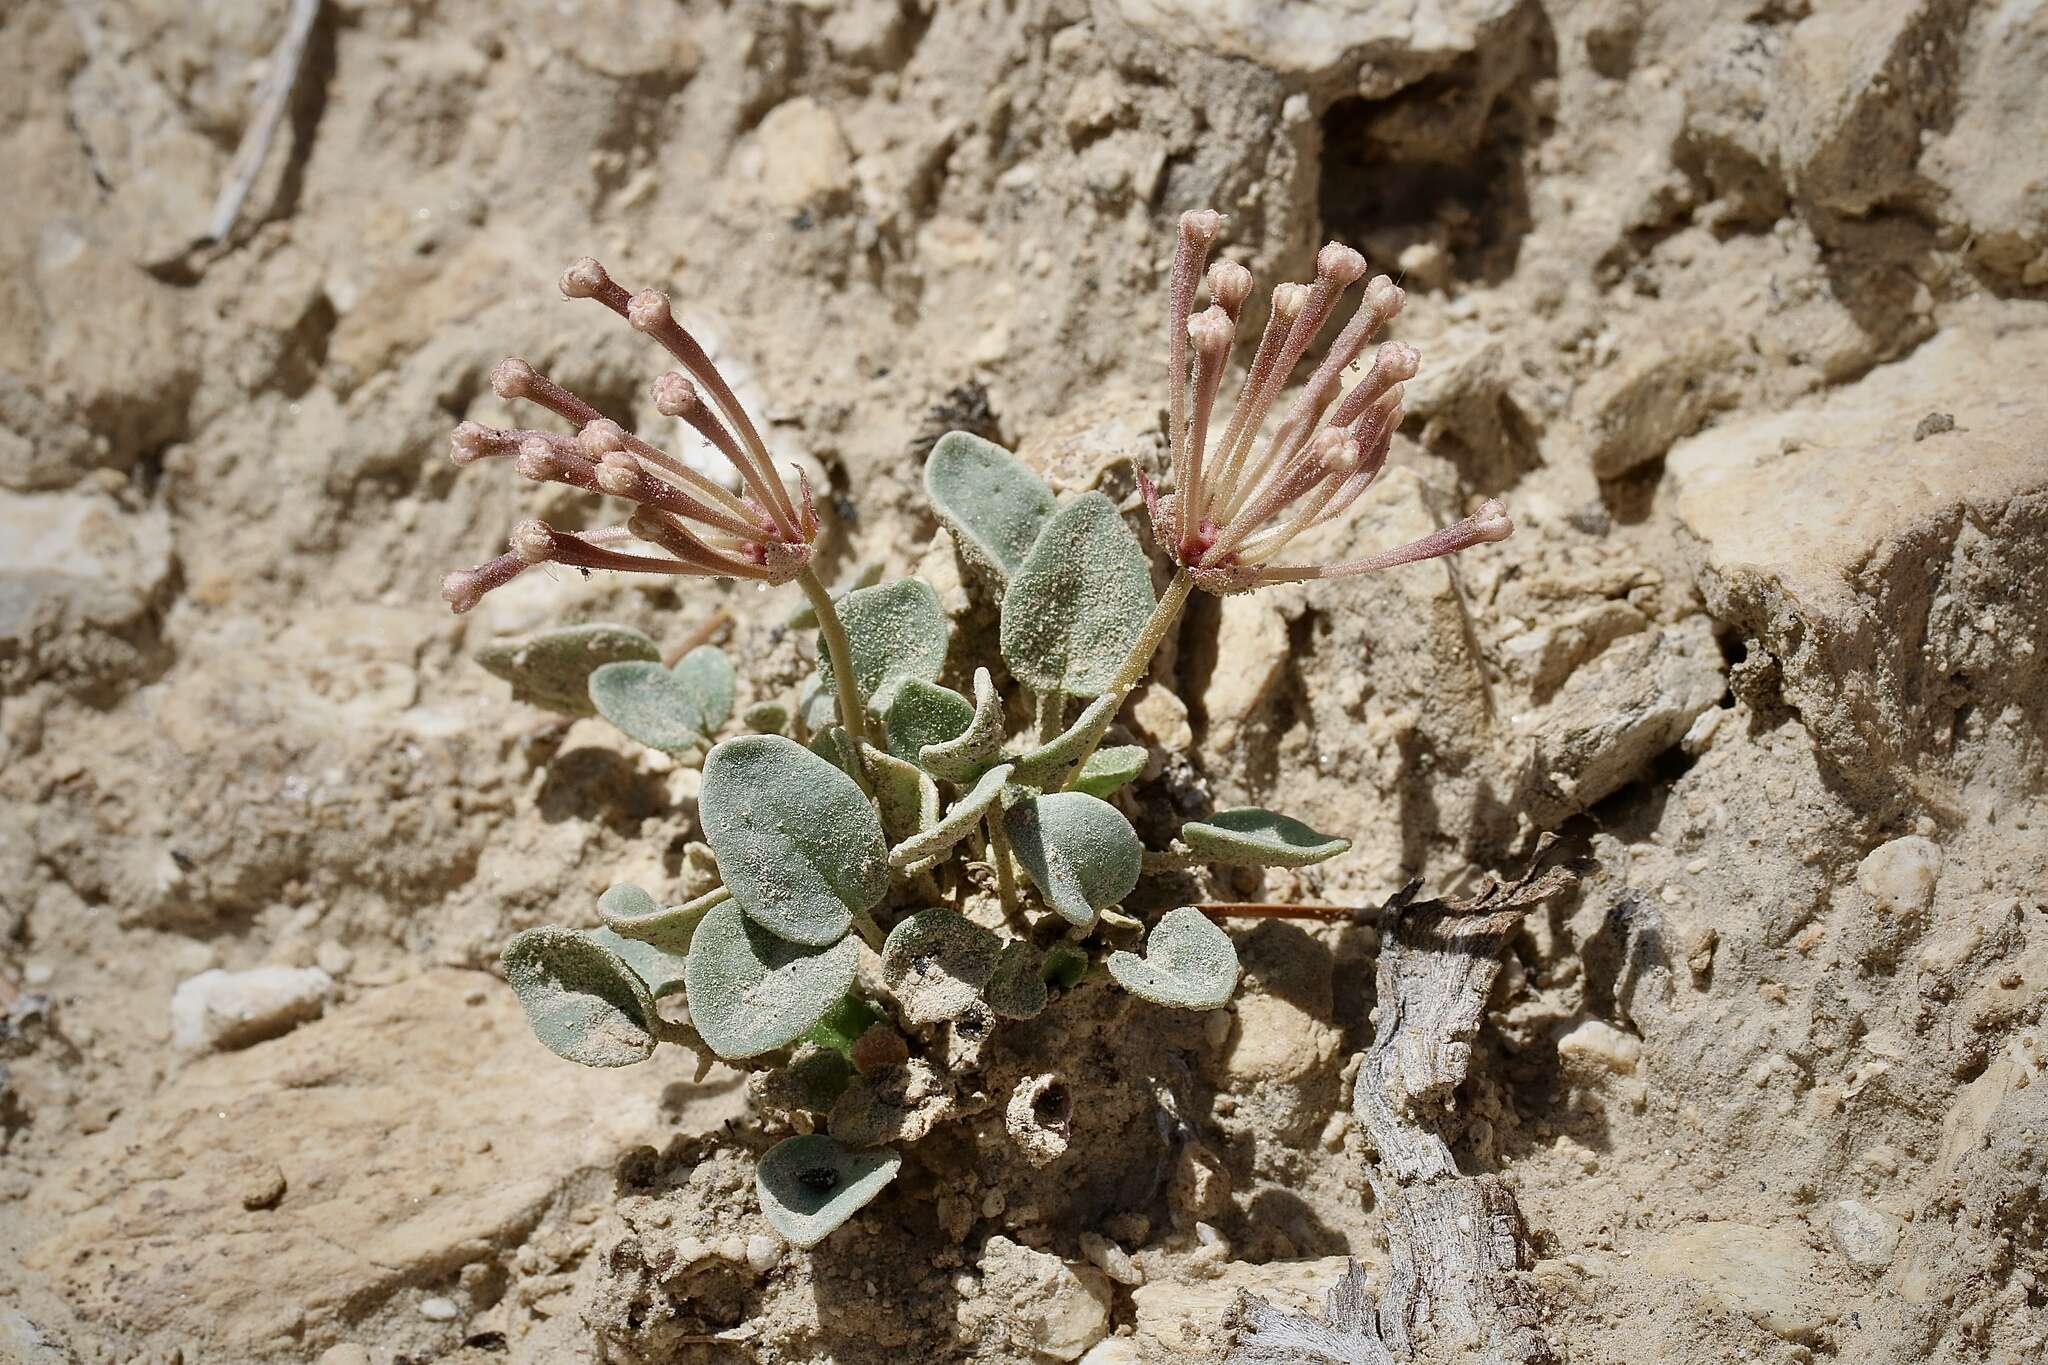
(438, 1309)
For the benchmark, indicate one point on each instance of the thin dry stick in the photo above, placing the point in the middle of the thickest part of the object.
(1275, 910)
(274, 99)
(702, 635)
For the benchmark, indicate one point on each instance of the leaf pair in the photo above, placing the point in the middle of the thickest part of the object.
(552, 669)
(1251, 837)
(672, 709)
(896, 633)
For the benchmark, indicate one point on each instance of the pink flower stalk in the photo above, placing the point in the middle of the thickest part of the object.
(1237, 504)
(702, 528)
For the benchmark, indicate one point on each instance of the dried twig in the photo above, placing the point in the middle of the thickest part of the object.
(273, 101)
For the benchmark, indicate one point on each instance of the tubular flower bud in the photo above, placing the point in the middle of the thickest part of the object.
(1235, 506)
(698, 525)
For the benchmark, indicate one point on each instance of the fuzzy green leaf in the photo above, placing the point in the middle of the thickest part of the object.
(650, 704)
(810, 1184)
(843, 1025)
(905, 793)
(896, 631)
(936, 962)
(993, 504)
(1047, 766)
(797, 843)
(552, 669)
(957, 822)
(659, 968)
(751, 992)
(1016, 988)
(816, 706)
(1064, 967)
(707, 675)
(1077, 849)
(1078, 603)
(1108, 769)
(766, 717)
(1189, 963)
(967, 755)
(925, 713)
(864, 575)
(1250, 837)
(582, 999)
(632, 913)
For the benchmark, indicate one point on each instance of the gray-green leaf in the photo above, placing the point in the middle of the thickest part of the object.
(707, 675)
(1016, 988)
(993, 505)
(632, 913)
(1077, 849)
(925, 713)
(965, 757)
(659, 968)
(1047, 766)
(1189, 963)
(583, 1001)
(1250, 837)
(957, 822)
(650, 704)
(896, 631)
(751, 992)
(1108, 769)
(905, 793)
(1078, 603)
(936, 962)
(797, 843)
(552, 669)
(810, 1184)
(766, 717)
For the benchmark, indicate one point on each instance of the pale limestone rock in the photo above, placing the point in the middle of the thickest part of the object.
(1249, 659)
(1989, 157)
(78, 574)
(1664, 384)
(216, 1011)
(1040, 1304)
(1396, 44)
(1594, 1045)
(1180, 1317)
(1868, 1238)
(419, 1129)
(1899, 876)
(804, 157)
(1765, 1273)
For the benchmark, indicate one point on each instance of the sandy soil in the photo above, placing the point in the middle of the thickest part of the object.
(1738, 303)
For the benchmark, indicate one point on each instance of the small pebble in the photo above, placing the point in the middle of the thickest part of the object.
(438, 1309)
(763, 1252)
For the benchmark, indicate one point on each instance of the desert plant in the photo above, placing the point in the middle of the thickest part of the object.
(865, 840)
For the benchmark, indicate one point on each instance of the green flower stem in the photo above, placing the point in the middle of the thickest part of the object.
(1006, 875)
(1138, 660)
(870, 932)
(852, 708)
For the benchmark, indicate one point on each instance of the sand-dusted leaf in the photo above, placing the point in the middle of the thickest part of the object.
(836, 747)
(957, 822)
(968, 755)
(1108, 769)
(810, 1184)
(1250, 837)
(552, 669)
(766, 717)
(707, 675)
(632, 913)
(843, 1024)
(993, 504)
(925, 713)
(905, 794)
(751, 992)
(816, 706)
(935, 962)
(1189, 963)
(1077, 849)
(866, 574)
(897, 631)
(650, 704)
(659, 968)
(1016, 988)
(797, 843)
(1048, 766)
(581, 998)
(812, 1080)
(1078, 603)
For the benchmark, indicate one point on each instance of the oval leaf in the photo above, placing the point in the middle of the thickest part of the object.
(957, 822)
(896, 631)
(1250, 837)
(707, 675)
(552, 669)
(1078, 850)
(1016, 988)
(581, 998)
(989, 500)
(810, 1184)
(631, 913)
(1109, 769)
(936, 962)
(1189, 963)
(766, 717)
(751, 992)
(797, 843)
(925, 713)
(1047, 766)
(1078, 603)
(659, 968)
(964, 758)
(649, 703)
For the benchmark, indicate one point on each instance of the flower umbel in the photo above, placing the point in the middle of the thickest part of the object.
(704, 528)
(1239, 503)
